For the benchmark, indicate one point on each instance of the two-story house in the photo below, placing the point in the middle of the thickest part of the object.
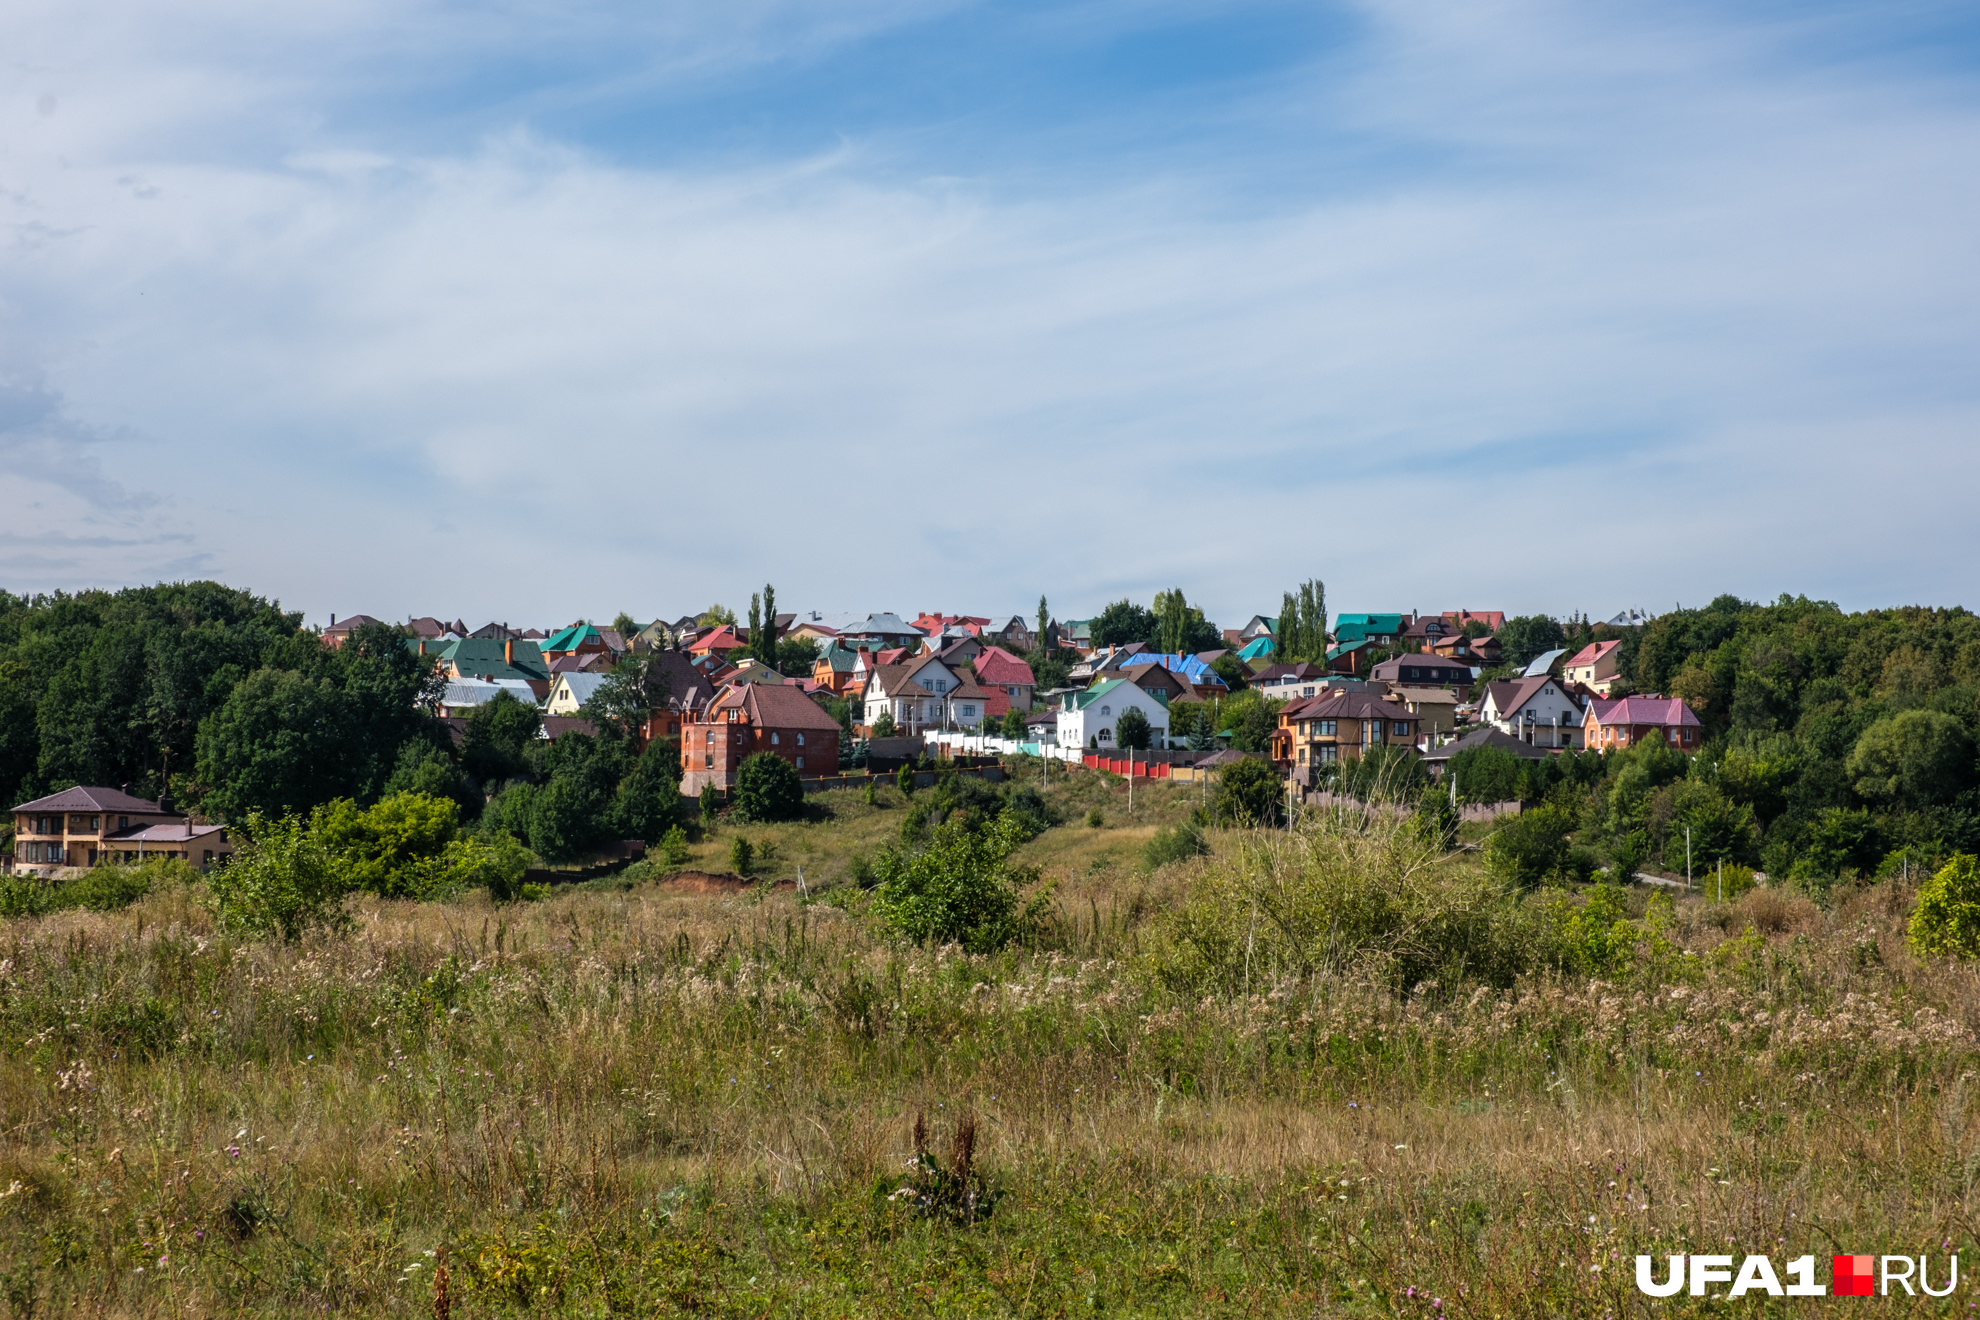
(747, 718)
(998, 668)
(1597, 665)
(88, 826)
(1424, 671)
(1089, 718)
(1612, 725)
(1540, 711)
(921, 693)
(1339, 726)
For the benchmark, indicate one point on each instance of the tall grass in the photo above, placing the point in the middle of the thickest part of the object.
(640, 1102)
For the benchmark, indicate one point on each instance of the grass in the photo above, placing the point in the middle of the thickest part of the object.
(633, 1101)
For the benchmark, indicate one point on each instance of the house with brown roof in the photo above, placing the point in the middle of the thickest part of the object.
(717, 642)
(1284, 682)
(1436, 707)
(1612, 725)
(1541, 710)
(340, 632)
(1340, 726)
(1417, 670)
(921, 693)
(747, 718)
(1460, 619)
(1597, 666)
(90, 826)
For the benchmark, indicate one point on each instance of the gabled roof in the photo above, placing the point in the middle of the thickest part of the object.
(502, 659)
(839, 657)
(349, 622)
(881, 625)
(1508, 696)
(775, 706)
(87, 798)
(1363, 624)
(1593, 653)
(1391, 669)
(1257, 648)
(1488, 737)
(1493, 619)
(1297, 673)
(174, 831)
(1544, 663)
(475, 692)
(1084, 699)
(580, 685)
(1642, 710)
(722, 639)
(575, 637)
(999, 667)
(1336, 703)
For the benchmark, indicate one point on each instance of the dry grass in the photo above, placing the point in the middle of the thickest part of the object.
(642, 1102)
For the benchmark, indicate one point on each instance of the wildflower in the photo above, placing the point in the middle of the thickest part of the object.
(234, 1151)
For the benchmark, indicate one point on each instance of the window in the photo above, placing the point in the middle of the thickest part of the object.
(1302, 756)
(1328, 753)
(800, 743)
(800, 764)
(123, 822)
(1402, 729)
(708, 761)
(1327, 728)
(776, 739)
(969, 710)
(1106, 710)
(711, 737)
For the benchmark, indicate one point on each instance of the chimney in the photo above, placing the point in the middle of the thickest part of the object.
(333, 618)
(508, 652)
(422, 646)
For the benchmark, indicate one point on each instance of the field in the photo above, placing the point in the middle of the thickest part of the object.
(638, 1097)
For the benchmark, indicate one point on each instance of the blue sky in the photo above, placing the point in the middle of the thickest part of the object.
(534, 311)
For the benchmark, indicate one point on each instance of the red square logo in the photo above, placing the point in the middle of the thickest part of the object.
(1852, 1276)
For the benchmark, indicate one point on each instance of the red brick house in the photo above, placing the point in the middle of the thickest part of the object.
(747, 718)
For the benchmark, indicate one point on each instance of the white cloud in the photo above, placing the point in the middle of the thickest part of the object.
(1674, 316)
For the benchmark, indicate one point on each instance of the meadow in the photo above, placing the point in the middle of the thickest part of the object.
(1202, 1088)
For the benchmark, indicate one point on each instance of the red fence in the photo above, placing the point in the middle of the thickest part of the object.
(1120, 765)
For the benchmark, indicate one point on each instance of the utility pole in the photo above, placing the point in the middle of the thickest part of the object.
(1687, 857)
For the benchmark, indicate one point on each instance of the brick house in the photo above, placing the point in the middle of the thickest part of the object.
(84, 826)
(1340, 726)
(1597, 665)
(717, 737)
(1612, 725)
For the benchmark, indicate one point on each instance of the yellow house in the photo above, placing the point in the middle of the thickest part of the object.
(83, 827)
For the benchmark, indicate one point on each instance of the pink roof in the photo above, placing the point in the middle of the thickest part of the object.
(1593, 652)
(998, 666)
(1642, 710)
(722, 639)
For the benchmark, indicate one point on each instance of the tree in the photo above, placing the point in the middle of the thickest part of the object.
(1525, 639)
(960, 888)
(1947, 918)
(1250, 792)
(755, 621)
(397, 848)
(1231, 669)
(1123, 622)
(797, 657)
(1531, 847)
(498, 732)
(883, 727)
(280, 881)
(1915, 759)
(1302, 635)
(768, 789)
(1131, 730)
(628, 696)
(1180, 628)
(1014, 725)
(626, 626)
(279, 744)
(562, 819)
(766, 645)
(715, 616)
(1039, 640)
(648, 800)
(1485, 774)
(424, 768)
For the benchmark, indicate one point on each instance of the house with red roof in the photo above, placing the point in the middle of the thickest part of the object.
(1492, 619)
(1004, 675)
(717, 643)
(1612, 725)
(1597, 665)
(747, 718)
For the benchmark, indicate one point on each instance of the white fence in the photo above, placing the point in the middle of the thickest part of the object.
(976, 744)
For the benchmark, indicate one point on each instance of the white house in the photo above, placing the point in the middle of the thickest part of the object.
(1089, 718)
(923, 693)
(570, 691)
(1538, 711)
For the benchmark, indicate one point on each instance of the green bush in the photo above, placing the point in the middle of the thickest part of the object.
(1096, 818)
(1249, 792)
(105, 888)
(281, 881)
(673, 847)
(1178, 843)
(959, 888)
(1947, 918)
(884, 726)
(768, 789)
(497, 864)
(904, 780)
(741, 855)
(1131, 730)
(1532, 847)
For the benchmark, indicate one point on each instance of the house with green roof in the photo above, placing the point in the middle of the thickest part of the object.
(494, 660)
(1088, 719)
(1383, 628)
(577, 639)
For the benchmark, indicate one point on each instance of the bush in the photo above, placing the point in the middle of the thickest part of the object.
(1532, 847)
(741, 855)
(884, 726)
(1095, 818)
(672, 850)
(105, 888)
(281, 881)
(768, 789)
(960, 888)
(1131, 730)
(497, 864)
(1249, 792)
(1176, 844)
(1485, 774)
(1947, 918)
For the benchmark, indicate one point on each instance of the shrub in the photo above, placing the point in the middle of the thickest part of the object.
(959, 888)
(1485, 774)
(497, 864)
(741, 855)
(104, 888)
(1947, 918)
(768, 789)
(1249, 792)
(1532, 847)
(281, 881)
(1131, 730)
(904, 780)
(1095, 818)
(673, 847)
(884, 726)
(708, 803)
(1176, 844)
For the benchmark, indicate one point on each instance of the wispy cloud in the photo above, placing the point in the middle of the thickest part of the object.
(1517, 305)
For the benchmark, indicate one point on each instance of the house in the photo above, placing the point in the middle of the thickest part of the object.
(1157, 680)
(1258, 652)
(997, 668)
(958, 648)
(747, 718)
(1436, 707)
(462, 695)
(590, 662)
(835, 667)
(673, 685)
(881, 630)
(1547, 662)
(1538, 710)
(922, 693)
(1350, 658)
(1338, 726)
(716, 643)
(819, 627)
(88, 826)
(935, 625)
(1424, 632)
(574, 640)
(1106, 660)
(1631, 618)
(1089, 718)
(1481, 651)
(1260, 625)
(1284, 682)
(512, 659)
(569, 692)
(1425, 669)
(1597, 665)
(1076, 635)
(1013, 634)
(499, 632)
(1612, 725)
(1437, 758)
(1382, 629)
(432, 629)
(339, 633)
(751, 670)
(1493, 620)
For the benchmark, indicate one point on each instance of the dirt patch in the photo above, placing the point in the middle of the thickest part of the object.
(705, 882)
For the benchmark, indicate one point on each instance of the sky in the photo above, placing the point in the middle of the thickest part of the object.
(539, 311)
